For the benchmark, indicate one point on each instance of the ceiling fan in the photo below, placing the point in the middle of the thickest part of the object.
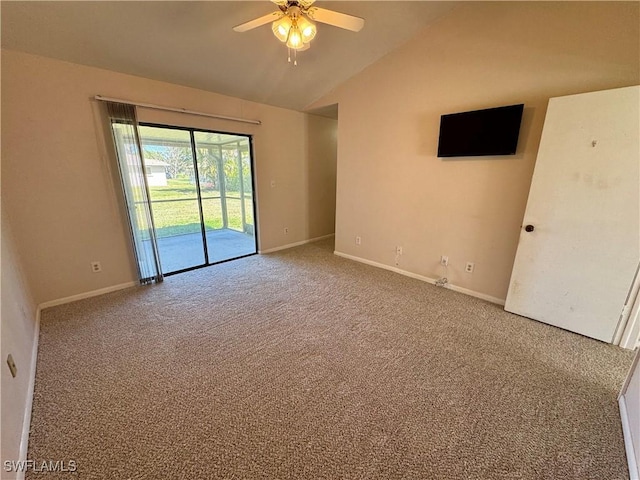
(293, 24)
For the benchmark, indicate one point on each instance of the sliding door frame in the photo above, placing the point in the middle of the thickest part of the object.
(203, 229)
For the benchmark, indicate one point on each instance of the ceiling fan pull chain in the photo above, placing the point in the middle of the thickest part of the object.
(295, 58)
(289, 54)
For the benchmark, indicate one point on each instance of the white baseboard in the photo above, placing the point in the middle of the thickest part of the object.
(26, 421)
(634, 473)
(406, 273)
(82, 296)
(296, 244)
(631, 334)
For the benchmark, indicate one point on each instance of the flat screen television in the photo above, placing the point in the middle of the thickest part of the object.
(493, 131)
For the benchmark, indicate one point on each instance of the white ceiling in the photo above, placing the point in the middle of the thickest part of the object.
(192, 43)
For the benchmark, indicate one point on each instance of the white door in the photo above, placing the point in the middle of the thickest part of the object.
(580, 239)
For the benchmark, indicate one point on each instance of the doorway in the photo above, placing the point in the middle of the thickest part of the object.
(201, 192)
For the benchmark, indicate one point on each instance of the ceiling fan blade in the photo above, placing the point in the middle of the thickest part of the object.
(337, 19)
(271, 17)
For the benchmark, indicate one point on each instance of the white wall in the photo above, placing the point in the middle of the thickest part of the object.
(392, 190)
(59, 177)
(18, 335)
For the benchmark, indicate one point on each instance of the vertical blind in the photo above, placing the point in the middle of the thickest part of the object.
(124, 127)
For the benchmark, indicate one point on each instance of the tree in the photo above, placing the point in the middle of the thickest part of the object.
(178, 159)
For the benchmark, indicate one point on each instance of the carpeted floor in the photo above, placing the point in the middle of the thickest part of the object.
(301, 364)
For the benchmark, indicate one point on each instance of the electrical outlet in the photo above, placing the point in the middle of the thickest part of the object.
(444, 260)
(286, 230)
(12, 366)
(96, 267)
(469, 267)
(398, 250)
(358, 240)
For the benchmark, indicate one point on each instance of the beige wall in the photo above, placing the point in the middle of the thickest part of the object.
(322, 156)
(60, 185)
(18, 327)
(393, 190)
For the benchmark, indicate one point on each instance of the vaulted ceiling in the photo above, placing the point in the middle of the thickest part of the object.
(193, 44)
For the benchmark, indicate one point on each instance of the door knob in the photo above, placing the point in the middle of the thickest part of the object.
(529, 228)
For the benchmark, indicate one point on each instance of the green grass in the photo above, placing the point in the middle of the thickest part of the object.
(176, 189)
(182, 217)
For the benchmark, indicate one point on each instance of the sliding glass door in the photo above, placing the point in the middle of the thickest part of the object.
(224, 169)
(173, 193)
(201, 193)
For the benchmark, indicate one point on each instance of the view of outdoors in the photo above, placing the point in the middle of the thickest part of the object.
(221, 190)
(225, 177)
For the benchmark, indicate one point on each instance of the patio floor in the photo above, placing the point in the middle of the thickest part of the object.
(185, 251)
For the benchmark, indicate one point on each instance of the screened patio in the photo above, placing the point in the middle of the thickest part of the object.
(204, 213)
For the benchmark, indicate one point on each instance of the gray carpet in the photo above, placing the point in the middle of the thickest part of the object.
(301, 364)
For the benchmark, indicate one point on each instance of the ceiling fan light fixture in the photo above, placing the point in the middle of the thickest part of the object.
(294, 23)
(307, 28)
(281, 28)
(294, 40)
